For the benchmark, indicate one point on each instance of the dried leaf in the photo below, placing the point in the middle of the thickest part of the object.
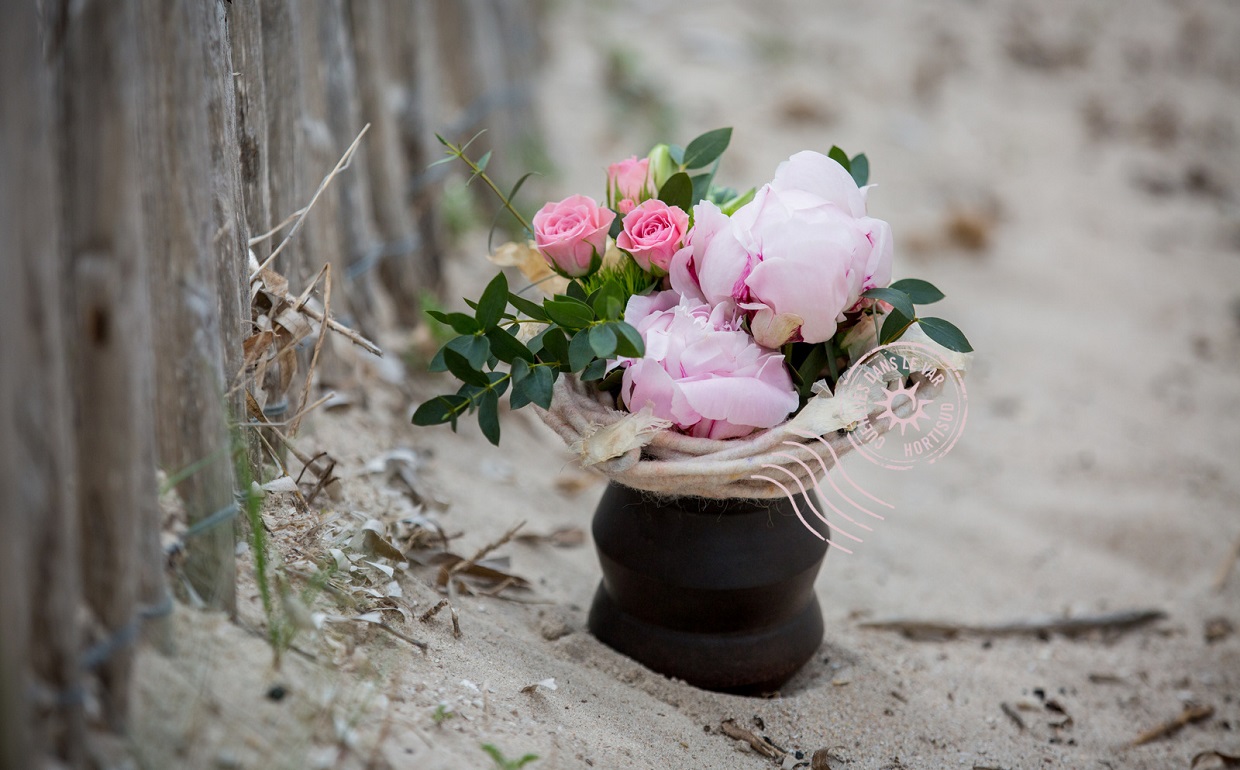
(281, 485)
(526, 258)
(548, 684)
(1228, 760)
(561, 537)
(371, 543)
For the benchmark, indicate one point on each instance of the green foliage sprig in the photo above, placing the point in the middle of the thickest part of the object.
(582, 332)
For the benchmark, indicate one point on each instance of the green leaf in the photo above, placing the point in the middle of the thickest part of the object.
(594, 371)
(603, 340)
(439, 410)
(554, 346)
(894, 297)
(807, 373)
(617, 227)
(859, 167)
(580, 351)
(488, 416)
(538, 386)
(840, 157)
(460, 367)
(460, 322)
(493, 302)
(701, 185)
(506, 347)
(529, 307)
(575, 290)
(520, 376)
(946, 334)
(609, 301)
(707, 148)
(476, 349)
(894, 325)
(572, 314)
(629, 341)
(678, 191)
(921, 292)
(677, 154)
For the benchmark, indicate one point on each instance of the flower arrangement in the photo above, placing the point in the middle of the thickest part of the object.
(711, 313)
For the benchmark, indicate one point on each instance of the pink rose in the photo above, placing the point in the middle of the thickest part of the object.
(702, 371)
(572, 235)
(653, 233)
(628, 183)
(795, 258)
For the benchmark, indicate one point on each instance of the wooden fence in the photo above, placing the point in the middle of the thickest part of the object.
(143, 143)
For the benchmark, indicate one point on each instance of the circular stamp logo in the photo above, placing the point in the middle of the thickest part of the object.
(915, 405)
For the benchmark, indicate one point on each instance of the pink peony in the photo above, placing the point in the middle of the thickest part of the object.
(653, 232)
(795, 258)
(702, 371)
(628, 183)
(572, 235)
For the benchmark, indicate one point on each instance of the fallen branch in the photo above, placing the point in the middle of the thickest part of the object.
(937, 630)
(734, 731)
(448, 571)
(1191, 713)
(341, 165)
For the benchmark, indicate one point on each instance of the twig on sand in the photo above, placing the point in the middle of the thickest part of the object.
(423, 646)
(433, 611)
(448, 571)
(937, 630)
(1191, 713)
(734, 731)
(1225, 569)
(1012, 715)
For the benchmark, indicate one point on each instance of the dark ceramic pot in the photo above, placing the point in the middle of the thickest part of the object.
(719, 593)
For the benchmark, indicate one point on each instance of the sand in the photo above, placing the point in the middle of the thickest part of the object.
(1067, 173)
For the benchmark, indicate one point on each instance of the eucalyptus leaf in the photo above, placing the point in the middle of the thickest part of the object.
(580, 351)
(439, 410)
(707, 148)
(678, 191)
(594, 371)
(893, 326)
(629, 341)
(488, 416)
(538, 386)
(921, 292)
(859, 167)
(476, 349)
(677, 154)
(493, 302)
(603, 340)
(840, 157)
(530, 308)
(461, 369)
(554, 346)
(506, 347)
(461, 323)
(701, 185)
(894, 297)
(807, 373)
(569, 313)
(946, 334)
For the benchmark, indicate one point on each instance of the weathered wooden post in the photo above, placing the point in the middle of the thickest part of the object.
(40, 678)
(109, 334)
(182, 231)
